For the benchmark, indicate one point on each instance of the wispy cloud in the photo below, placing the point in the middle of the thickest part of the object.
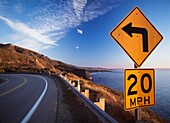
(50, 20)
(2, 4)
(80, 31)
(28, 37)
(18, 6)
(59, 17)
(97, 8)
(24, 29)
(79, 6)
(28, 42)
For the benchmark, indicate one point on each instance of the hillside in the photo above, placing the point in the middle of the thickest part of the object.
(115, 102)
(17, 59)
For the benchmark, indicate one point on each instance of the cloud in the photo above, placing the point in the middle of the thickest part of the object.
(32, 44)
(28, 35)
(77, 47)
(97, 8)
(50, 20)
(59, 17)
(79, 6)
(24, 29)
(1, 4)
(80, 31)
(18, 7)
(28, 42)
(69, 14)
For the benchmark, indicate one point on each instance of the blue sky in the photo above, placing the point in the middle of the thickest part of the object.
(77, 31)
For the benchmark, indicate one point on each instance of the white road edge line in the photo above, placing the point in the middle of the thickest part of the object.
(7, 80)
(33, 109)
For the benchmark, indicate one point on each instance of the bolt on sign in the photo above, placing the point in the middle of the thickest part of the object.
(137, 36)
(139, 88)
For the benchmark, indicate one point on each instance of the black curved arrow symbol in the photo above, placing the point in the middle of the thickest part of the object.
(129, 30)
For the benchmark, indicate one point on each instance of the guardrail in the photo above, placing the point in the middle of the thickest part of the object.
(102, 115)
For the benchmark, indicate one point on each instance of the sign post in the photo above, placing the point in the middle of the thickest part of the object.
(137, 110)
(138, 38)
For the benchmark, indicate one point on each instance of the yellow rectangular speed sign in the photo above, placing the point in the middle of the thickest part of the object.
(139, 88)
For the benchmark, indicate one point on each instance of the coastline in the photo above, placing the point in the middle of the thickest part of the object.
(115, 102)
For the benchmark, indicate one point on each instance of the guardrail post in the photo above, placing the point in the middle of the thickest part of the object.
(83, 93)
(97, 103)
(49, 73)
(102, 115)
(73, 84)
(87, 93)
(101, 103)
(65, 77)
(78, 86)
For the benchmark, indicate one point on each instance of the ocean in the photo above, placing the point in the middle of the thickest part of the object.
(115, 80)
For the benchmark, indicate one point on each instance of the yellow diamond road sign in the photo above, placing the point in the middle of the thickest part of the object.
(137, 36)
(139, 88)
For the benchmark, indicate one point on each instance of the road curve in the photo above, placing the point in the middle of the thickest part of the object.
(26, 98)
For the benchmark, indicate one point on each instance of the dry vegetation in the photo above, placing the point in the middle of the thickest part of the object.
(70, 108)
(16, 59)
(20, 60)
(115, 102)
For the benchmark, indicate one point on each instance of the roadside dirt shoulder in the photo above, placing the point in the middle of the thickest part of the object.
(70, 108)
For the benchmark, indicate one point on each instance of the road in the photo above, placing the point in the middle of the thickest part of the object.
(27, 98)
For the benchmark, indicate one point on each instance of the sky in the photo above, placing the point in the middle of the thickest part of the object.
(77, 32)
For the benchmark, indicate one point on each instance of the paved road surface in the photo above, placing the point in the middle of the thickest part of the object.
(22, 94)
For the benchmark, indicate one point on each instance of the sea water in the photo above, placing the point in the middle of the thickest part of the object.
(115, 80)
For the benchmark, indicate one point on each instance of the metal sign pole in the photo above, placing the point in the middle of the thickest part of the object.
(136, 115)
(137, 111)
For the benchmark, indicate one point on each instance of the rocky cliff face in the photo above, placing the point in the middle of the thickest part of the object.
(18, 59)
